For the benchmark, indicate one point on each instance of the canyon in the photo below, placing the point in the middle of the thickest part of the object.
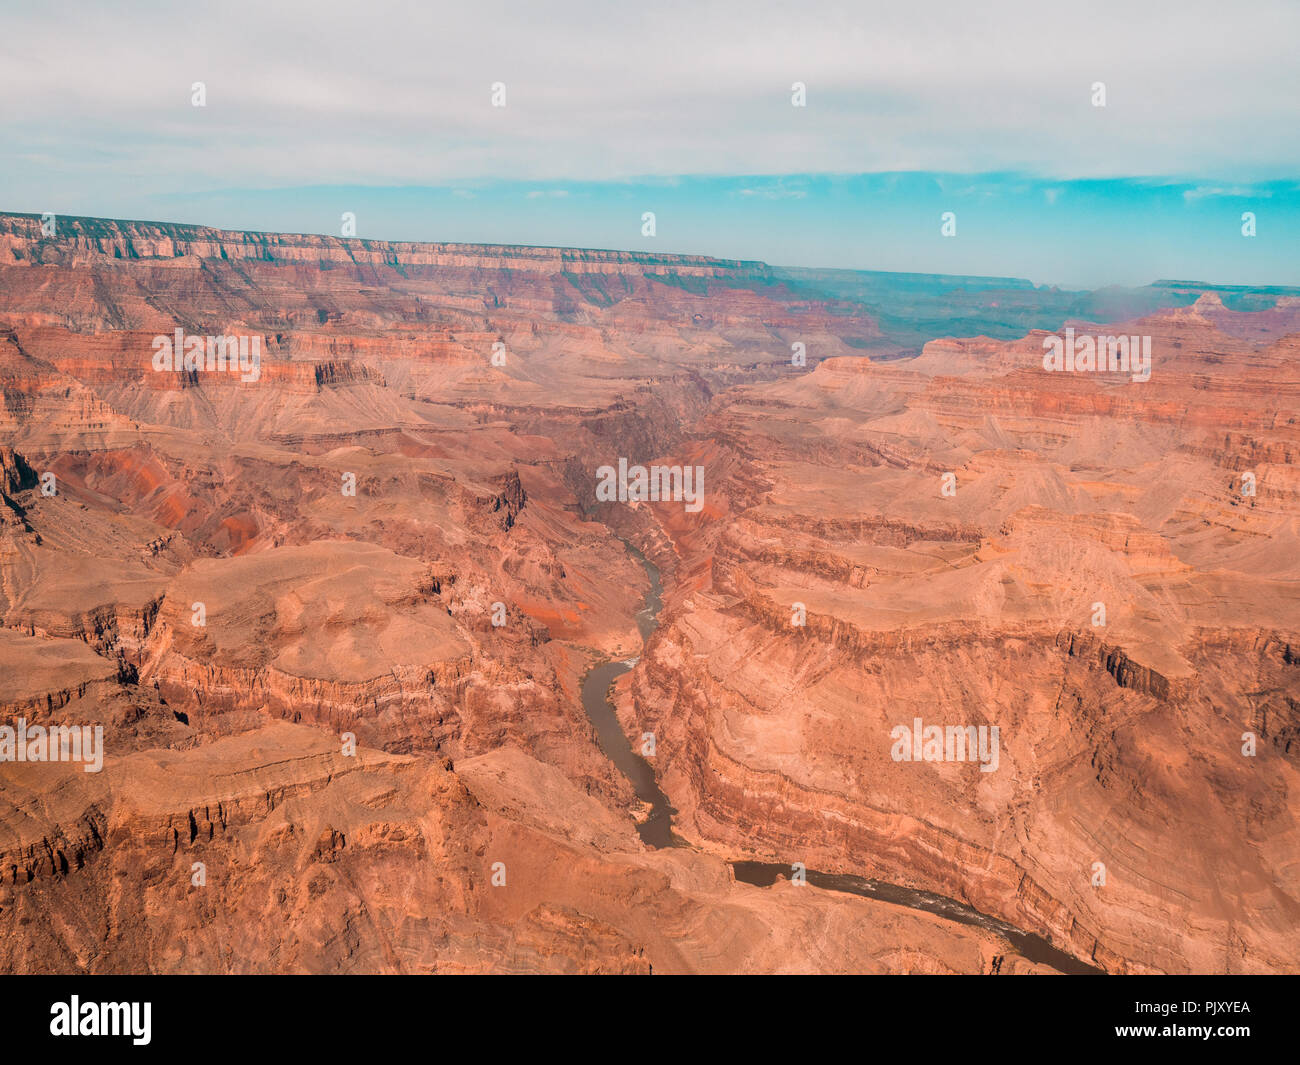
(347, 626)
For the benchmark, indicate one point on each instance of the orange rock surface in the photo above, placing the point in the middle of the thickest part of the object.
(333, 622)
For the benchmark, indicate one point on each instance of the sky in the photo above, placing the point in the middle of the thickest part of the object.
(385, 110)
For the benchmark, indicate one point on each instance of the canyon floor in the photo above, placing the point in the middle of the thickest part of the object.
(334, 621)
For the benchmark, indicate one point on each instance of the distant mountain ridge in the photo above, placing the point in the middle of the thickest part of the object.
(144, 240)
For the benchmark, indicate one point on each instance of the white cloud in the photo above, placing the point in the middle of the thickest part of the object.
(1203, 192)
(392, 92)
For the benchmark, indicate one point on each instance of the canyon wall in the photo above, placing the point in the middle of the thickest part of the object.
(333, 619)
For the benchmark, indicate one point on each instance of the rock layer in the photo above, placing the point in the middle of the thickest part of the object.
(333, 621)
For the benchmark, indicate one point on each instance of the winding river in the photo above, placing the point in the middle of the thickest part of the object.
(657, 829)
(1035, 948)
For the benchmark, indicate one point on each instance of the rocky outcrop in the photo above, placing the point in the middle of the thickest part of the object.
(334, 621)
(1091, 580)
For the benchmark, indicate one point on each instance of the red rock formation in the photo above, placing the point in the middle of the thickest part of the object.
(404, 573)
(1121, 744)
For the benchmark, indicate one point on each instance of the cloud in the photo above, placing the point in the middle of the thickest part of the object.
(1203, 192)
(773, 192)
(400, 94)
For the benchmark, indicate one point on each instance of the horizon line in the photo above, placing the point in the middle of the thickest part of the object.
(36, 216)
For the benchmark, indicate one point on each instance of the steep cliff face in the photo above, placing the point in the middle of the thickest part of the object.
(333, 618)
(968, 540)
(272, 851)
(378, 543)
(81, 240)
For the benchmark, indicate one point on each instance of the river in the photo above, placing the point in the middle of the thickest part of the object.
(657, 829)
(1035, 948)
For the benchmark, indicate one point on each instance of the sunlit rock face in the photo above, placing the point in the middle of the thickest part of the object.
(1104, 570)
(332, 610)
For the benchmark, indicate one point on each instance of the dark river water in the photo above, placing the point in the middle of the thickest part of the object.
(1035, 948)
(657, 829)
